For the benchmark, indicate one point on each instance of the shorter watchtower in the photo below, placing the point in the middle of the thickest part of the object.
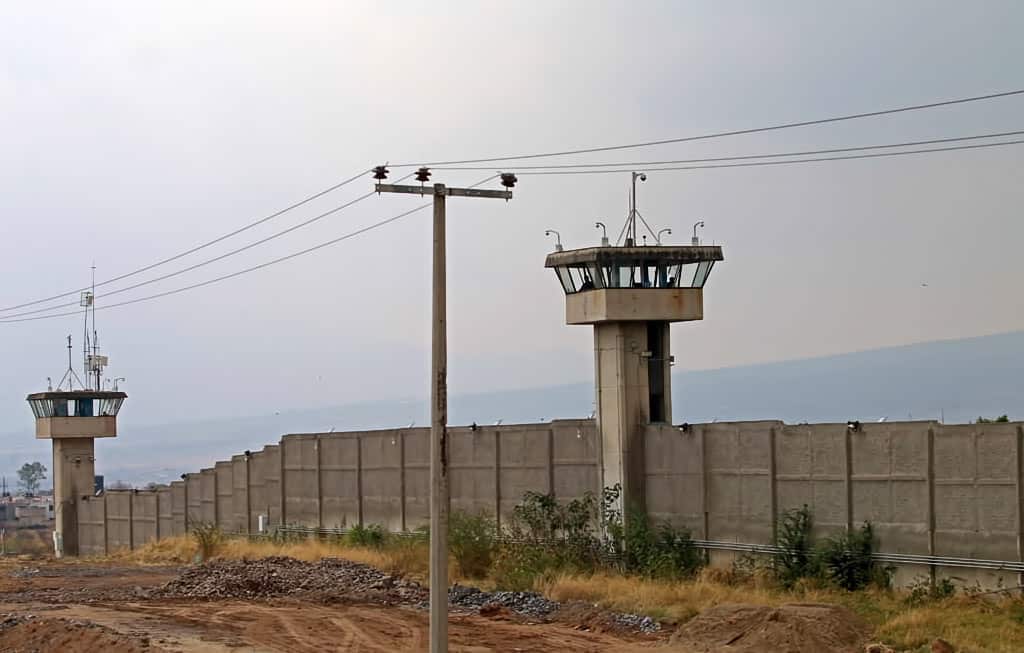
(72, 418)
(631, 293)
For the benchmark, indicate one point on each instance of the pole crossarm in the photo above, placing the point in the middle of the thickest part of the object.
(442, 190)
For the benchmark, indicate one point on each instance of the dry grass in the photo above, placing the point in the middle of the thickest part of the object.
(970, 624)
(671, 601)
(170, 550)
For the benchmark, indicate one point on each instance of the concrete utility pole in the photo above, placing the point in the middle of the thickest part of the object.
(439, 497)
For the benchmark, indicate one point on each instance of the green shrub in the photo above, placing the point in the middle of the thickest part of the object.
(664, 552)
(472, 540)
(795, 559)
(564, 531)
(1002, 419)
(208, 537)
(518, 565)
(845, 559)
(372, 536)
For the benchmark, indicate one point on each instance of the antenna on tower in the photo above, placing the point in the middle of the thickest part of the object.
(93, 362)
(70, 375)
(629, 229)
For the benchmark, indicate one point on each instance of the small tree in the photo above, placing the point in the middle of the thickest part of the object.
(30, 475)
(1002, 419)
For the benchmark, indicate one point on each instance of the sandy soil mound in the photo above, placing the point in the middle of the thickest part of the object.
(33, 634)
(791, 628)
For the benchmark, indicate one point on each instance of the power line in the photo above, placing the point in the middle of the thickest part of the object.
(736, 132)
(195, 249)
(208, 261)
(201, 263)
(637, 164)
(281, 259)
(232, 275)
(775, 163)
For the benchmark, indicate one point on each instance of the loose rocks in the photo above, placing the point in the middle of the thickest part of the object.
(335, 579)
(529, 604)
(331, 578)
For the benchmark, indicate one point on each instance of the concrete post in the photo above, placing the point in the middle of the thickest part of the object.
(773, 499)
(73, 477)
(319, 487)
(1019, 478)
(359, 479)
(401, 478)
(439, 491)
(497, 478)
(930, 476)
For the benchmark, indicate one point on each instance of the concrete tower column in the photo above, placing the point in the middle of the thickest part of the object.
(74, 471)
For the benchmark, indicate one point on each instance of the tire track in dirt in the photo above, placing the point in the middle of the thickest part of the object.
(218, 626)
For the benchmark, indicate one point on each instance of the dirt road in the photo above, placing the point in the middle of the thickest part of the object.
(86, 607)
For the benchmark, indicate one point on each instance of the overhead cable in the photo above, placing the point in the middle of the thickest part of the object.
(281, 259)
(638, 164)
(735, 132)
(195, 249)
(774, 163)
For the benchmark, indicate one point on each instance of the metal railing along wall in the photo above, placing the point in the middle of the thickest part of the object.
(766, 549)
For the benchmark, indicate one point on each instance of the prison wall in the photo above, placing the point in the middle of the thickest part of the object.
(926, 488)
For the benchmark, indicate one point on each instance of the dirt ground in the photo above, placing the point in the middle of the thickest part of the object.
(282, 604)
(77, 607)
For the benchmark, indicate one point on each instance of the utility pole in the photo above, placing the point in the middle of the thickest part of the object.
(439, 486)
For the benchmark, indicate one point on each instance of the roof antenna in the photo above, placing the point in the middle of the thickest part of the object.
(70, 375)
(629, 229)
(92, 361)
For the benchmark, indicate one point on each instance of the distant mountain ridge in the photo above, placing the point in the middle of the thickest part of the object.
(958, 380)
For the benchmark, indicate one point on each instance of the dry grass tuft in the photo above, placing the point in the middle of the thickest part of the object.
(672, 601)
(968, 624)
(170, 550)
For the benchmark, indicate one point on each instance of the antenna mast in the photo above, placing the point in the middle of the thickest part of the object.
(92, 361)
(629, 229)
(70, 375)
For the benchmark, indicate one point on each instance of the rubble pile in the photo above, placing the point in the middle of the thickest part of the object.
(280, 576)
(336, 579)
(527, 604)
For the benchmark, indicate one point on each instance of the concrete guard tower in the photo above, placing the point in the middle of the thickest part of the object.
(72, 418)
(631, 294)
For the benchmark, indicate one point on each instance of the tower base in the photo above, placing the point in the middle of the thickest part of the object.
(74, 469)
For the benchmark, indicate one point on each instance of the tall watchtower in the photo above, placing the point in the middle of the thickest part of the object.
(72, 417)
(631, 293)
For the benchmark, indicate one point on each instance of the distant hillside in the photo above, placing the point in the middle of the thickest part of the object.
(959, 379)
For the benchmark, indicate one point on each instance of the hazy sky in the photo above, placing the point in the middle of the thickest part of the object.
(133, 131)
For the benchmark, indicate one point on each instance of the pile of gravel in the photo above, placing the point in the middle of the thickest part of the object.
(280, 576)
(635, 622)
(338, 579)
(527, 604)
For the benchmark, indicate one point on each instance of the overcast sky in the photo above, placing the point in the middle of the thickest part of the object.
(133, 131)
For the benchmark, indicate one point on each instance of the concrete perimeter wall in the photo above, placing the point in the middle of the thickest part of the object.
(926, 488)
